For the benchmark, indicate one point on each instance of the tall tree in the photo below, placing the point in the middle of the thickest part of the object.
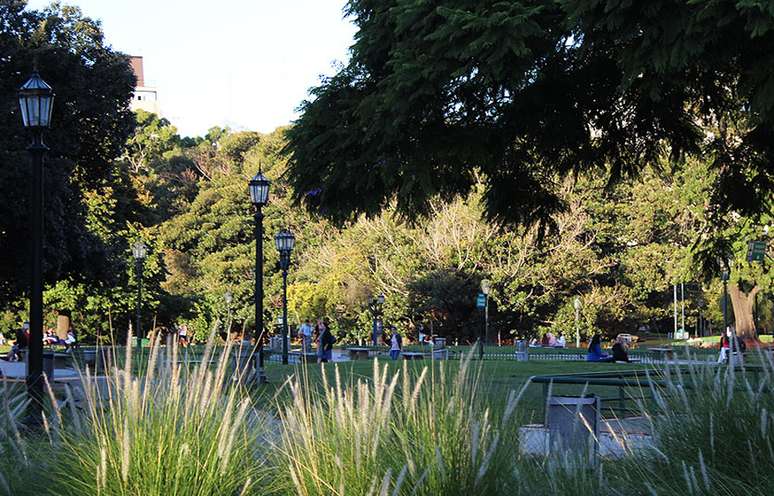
(91, 122)
(528, 92)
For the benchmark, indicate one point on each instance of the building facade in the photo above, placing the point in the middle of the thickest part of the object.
(144, 97)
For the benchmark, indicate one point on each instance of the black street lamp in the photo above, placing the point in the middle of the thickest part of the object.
(375, 304)
(36, 101)
(139, 251)
(259, 195)
(724, 276)
(284, 241)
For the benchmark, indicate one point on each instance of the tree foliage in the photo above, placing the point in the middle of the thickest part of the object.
(93, 85)
(531, 92)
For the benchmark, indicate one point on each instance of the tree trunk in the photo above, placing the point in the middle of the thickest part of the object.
(743, 303)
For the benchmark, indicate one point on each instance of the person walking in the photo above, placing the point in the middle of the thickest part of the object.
(325, 342)
(396, 341)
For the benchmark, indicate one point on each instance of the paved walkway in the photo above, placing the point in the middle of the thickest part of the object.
(18, 370)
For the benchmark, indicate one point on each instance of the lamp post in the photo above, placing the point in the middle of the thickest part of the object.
(485, 289)
(259, 195)
(228, 298)
(577, 305)
(36, 101)
(375, 305)
(284, 241)
(724, 276)
(139, 251)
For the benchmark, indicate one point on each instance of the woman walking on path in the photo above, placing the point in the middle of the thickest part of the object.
(396, 341)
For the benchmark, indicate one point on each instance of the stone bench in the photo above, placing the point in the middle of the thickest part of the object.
(359, 353)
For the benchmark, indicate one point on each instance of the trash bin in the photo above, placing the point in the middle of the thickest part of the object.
(48, 364)
(522, 350)
(244, 362)
(275, 344)
(573, 424)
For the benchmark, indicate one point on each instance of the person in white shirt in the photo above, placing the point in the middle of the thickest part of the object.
(306, 335)
(561, 342)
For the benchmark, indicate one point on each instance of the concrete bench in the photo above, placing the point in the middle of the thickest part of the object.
(358, 353)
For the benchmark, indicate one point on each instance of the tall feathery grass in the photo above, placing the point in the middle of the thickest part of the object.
(181, 429)
(713, 429)
(176, 429)
(399, 433)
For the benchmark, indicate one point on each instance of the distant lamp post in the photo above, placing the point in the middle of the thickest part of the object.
(228, 298)
(36, 101)
(725, 275)
(284, 242)
(139, 251)
(485, 287)
(259, 195)
(375, 305)
(577, 305)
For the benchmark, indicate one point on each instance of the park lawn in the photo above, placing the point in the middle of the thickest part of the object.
(497, 379)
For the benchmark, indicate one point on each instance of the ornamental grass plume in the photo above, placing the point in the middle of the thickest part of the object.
(398, 433)
(712, 427)
(178, 429)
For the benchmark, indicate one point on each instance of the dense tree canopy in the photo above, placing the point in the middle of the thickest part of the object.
(529, 92)
(569, 113)
(93, 86)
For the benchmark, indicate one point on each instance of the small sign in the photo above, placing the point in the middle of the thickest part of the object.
(481, 300)
(756, 251)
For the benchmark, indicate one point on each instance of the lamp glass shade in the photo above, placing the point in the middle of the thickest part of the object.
(284, 241)
(380, 299)
(228, 297)
(139, 250)
(259, 190)
(36, 101)
(577, 303)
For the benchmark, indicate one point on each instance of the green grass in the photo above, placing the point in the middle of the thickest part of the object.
(497, 378)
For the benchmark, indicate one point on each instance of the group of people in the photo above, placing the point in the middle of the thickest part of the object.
(50, 338)
(321, 333)
(620, 351)
(549, 341)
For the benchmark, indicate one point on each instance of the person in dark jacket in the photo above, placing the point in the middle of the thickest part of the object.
(619, 351)
(325, 342)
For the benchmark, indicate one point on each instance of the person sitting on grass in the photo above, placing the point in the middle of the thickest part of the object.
(619, 351)
(595, 351)
(561, 342)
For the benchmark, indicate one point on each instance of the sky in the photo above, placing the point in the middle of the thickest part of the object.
(245, 64)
